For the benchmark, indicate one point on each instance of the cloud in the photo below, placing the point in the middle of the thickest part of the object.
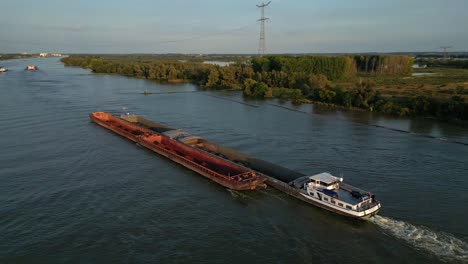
(73, 28)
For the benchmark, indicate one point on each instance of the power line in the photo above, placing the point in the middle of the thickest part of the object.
(262, 42)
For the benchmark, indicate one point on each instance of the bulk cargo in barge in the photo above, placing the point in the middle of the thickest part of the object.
(219, 170)
(323, 190)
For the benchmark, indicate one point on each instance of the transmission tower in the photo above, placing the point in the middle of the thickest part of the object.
(262, 43)
(445, 48)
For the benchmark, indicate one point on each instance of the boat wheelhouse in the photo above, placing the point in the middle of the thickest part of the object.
(329, 192)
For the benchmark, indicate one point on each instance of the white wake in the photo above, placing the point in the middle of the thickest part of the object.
(447, 247)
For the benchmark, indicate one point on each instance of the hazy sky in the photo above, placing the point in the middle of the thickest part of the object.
(218, 26)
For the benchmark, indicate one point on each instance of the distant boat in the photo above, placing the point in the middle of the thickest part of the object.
(31, 68)
(2, 69)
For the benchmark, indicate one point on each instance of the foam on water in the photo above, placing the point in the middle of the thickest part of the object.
(445, 246)
(237, 194)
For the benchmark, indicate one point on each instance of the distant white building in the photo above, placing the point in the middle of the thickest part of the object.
(43, 55)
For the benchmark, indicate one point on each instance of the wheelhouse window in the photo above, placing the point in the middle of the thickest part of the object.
(349, 207)
(340, 204)
(325, 184)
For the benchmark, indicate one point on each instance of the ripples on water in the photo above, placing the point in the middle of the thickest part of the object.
(443, 245)
(71, 190)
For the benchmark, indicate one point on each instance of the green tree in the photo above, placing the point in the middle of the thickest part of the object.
(228, 77)
(249, 85)
(259, 90)
(326, 95)
(213, 78)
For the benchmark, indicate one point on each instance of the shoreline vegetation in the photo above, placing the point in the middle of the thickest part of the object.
(15, 56)
(376, 83)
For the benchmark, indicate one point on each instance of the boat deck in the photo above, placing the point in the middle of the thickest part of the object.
(265, 167)
(219, 170)
(346, 197)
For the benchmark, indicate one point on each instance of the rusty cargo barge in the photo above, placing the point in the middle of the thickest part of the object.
(219, 170)
(322, 190)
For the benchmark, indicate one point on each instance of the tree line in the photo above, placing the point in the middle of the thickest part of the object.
(334, 68)
(363, 95)
(301, 79)
(384, 65)
(206, 75)
(458, 64)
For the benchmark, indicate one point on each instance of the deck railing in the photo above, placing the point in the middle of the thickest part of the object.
(127, 127)
(200, 167)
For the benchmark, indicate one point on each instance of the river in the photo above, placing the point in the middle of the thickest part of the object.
(72, 191)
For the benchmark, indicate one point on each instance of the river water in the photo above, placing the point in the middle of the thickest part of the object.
(71, 191)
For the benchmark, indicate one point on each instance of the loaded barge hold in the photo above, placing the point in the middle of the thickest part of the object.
(221, 171)
(323, 190)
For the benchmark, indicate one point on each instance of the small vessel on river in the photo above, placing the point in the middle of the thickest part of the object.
(323, 190)
(31, 68)
(219, 170)
(3, 69)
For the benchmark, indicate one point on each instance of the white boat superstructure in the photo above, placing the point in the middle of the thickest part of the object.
(2, 69)
(31, 68)
(329, 192)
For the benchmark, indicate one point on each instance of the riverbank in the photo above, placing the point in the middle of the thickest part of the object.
(442, 95)
(4, 57)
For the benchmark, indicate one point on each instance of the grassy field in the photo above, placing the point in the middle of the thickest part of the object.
(443, 83)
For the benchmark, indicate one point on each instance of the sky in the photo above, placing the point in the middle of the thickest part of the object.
(219, 26)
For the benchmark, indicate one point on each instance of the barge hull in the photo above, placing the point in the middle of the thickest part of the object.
(262, 166)
(241, 179)
(276, 176)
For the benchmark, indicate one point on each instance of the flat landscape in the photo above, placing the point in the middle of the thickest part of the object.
(245, 132)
